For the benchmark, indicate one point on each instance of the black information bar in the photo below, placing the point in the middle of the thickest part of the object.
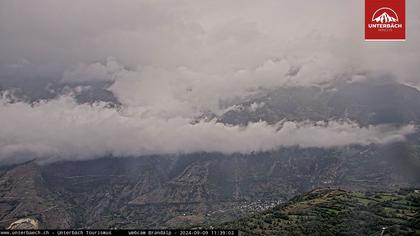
(140, 232)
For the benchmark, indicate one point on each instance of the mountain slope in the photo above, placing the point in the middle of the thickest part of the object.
(210, 188)
(23, 193)
(180, 191)
(366, 102)
(337, 212)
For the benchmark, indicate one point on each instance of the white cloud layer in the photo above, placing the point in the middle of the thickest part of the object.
(64, 130)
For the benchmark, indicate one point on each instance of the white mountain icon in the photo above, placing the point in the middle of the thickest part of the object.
(385, 18)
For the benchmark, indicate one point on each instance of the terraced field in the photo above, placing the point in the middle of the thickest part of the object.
(338, 212)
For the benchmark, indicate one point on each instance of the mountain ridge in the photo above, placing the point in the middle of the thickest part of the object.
(210, 188)
(327, 211)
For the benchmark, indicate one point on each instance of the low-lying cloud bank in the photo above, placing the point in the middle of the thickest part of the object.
(62, 129)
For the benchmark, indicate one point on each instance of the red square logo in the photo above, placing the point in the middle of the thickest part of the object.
(385, 20)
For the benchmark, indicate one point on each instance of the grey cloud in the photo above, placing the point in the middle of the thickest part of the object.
(62, 129)
(213, 37)
(166, 63)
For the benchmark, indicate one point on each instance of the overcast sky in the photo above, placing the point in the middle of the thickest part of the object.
(168, 62)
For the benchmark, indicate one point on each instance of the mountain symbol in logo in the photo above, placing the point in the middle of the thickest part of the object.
(388, 16)
(385, 18)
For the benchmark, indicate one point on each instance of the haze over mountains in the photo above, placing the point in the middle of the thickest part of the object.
(158, 114)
